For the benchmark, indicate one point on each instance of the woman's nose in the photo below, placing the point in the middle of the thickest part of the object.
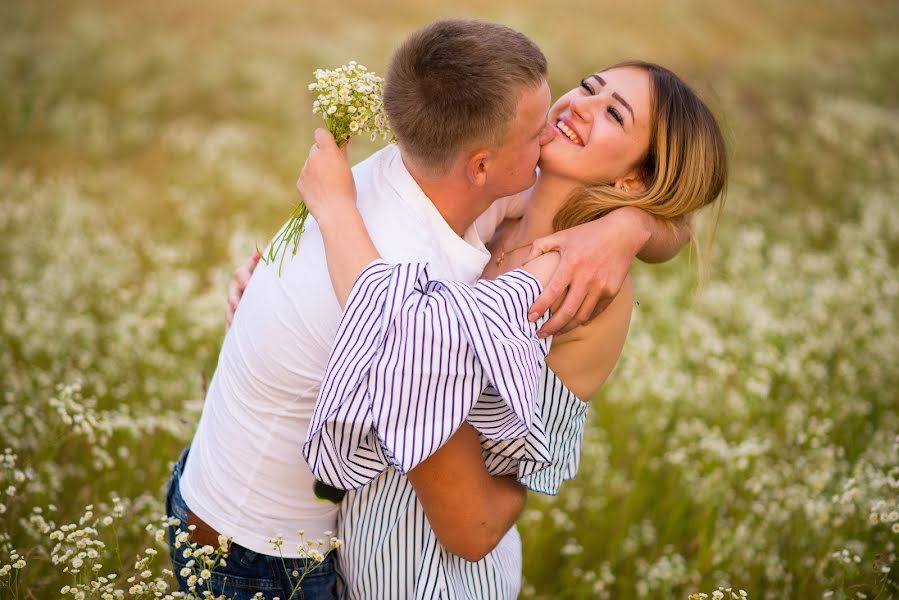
(580, 107)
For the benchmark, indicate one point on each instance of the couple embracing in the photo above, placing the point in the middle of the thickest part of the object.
(404, 353)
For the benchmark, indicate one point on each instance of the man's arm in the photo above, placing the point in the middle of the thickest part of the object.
(469, 510)
(666, 238)
(596, 258)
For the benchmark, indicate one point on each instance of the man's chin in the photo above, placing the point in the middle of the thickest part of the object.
(520, 186)
(531, 180)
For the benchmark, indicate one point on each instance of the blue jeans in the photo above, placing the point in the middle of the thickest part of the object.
(247, 572)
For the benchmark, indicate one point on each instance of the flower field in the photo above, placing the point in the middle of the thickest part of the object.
(749, 438)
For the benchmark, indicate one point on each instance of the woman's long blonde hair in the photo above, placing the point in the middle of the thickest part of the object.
(685, 167)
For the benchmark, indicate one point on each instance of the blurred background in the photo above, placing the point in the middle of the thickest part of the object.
(748, 437)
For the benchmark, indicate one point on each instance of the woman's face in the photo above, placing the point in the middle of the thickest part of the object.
(601, 128)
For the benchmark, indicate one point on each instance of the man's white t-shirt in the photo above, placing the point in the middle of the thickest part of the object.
(245, 475)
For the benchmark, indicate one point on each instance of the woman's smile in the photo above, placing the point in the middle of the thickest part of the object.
(567, 128)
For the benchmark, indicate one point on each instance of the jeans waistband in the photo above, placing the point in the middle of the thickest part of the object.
(178, 469)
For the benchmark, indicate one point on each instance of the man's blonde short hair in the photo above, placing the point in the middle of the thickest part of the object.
(456, 83)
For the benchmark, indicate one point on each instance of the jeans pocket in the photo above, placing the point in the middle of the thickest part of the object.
(320, 583)
(232, 583)
(321, 586)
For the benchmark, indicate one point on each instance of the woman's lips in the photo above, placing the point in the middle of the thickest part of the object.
(568, 130)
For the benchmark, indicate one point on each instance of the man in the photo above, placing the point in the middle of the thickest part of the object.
(468, 102)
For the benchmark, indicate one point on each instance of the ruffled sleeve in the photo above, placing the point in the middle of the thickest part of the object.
(410, 362)
(551, 452)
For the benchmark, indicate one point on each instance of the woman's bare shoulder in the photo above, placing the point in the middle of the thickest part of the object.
(543, 267)
(585, 357)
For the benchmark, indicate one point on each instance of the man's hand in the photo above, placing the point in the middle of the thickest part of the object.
(237, 285)
(595, 259)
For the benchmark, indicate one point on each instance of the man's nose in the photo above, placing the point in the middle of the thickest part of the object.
(547, 134)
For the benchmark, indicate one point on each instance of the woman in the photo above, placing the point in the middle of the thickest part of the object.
(631, 135)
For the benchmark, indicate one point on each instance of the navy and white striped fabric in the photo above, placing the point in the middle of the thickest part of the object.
(550, 454)
(391, 552)
(414, 359)
(411, 360)
(390, 549)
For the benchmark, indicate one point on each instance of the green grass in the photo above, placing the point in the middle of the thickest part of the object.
(748, 433)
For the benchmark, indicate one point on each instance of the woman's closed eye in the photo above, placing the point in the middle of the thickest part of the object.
(616, 115)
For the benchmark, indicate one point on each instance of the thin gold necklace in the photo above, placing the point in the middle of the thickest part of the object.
(502, 248)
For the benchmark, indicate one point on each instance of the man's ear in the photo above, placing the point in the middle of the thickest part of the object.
(476, 166)
(631, 184)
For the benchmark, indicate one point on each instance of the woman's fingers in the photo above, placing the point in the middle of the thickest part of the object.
(324, 139)
(326, 181)
(239, 282)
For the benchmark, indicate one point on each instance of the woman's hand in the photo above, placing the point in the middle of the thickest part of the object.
(327, 186)
(239, 282)
(329, 192)
(326, 181)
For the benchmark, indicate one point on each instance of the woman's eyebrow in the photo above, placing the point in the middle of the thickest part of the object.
(615, 95)
(597, 78)
(625, 104)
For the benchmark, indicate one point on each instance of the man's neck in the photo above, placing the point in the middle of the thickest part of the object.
(456, 201)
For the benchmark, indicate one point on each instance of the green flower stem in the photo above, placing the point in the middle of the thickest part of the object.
(297, 223)
(290, 233)
(340, 129)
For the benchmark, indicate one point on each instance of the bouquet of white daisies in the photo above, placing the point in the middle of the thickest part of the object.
(350, 100)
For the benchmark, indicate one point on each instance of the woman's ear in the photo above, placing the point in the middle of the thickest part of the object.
(631, 184)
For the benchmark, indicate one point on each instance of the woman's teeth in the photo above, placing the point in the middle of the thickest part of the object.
(569, 132)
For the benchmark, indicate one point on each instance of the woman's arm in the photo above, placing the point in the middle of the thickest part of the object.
(468, 509)
(666, 237)
(327, 187)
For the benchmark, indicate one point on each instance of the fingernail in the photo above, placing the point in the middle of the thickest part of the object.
(533, 317)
